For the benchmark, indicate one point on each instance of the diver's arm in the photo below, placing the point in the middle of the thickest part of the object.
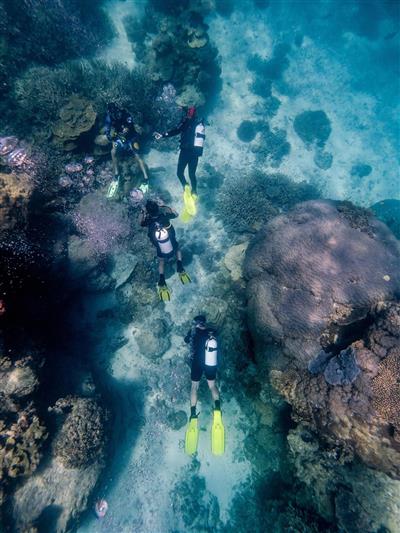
(175, 131)
(108, 126)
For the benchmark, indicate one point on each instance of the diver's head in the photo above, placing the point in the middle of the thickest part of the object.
(200, 321)
(152, 208)
(114, 110)
(191, 112)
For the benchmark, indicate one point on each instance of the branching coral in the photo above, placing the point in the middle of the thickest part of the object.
(42, 91)
(246, 201)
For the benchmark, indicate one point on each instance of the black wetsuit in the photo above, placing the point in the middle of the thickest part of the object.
(197, 339)
(163, 220)
(125, 133)
(189, 153)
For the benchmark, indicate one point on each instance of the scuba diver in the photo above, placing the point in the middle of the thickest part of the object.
(162, 234)
(192, 131)
(120, 130)
(204, 359)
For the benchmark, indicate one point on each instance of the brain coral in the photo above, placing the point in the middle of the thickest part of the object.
(386, 389)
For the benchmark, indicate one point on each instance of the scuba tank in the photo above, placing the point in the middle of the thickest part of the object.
(199, 135)
(163, 240)
(211, 351)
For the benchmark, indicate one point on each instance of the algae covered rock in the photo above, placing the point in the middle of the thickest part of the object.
(76, 118)
(234, 258)
(15, 194)
(82, 437)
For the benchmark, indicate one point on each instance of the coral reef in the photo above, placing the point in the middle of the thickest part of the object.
(81, 439)
(386, 390)
(313, 127)
(246, 202)
(317, 280)
(340, 490)
(180, 52)
(22, 433)
(42, 91)
(269, 71)
(247, 131)
(76, 118)
(16, 191)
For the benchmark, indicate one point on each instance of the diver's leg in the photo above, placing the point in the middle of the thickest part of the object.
(161, 265)
(192, 163)
(214, 389)
(114, 159)
(142, 166)
(182, 164)
(193, 395)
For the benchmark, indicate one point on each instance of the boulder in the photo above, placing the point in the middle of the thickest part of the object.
(322, 285)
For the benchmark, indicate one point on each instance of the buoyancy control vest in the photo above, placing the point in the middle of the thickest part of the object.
(211, 351)
(162, 237)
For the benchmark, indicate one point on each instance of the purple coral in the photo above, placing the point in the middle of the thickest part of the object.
(104, 224)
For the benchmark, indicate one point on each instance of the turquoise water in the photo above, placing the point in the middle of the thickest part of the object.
(341, 59)
(317, 85)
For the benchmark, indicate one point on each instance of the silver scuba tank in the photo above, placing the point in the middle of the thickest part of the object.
(199, 135)
(211, 352)
(163, 240)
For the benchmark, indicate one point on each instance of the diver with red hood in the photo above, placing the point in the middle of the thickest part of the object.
(192, 131)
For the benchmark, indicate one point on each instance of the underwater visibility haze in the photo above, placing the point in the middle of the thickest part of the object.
(199, 266)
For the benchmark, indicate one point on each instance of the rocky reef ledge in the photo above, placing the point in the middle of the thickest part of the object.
(323, 304)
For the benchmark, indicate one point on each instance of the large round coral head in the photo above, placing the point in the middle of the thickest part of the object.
(191, 112)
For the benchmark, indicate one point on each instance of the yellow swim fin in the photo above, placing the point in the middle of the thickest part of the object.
(192, 436)
(217, 434)
(185, 216)
(189, 201)
(164, 293)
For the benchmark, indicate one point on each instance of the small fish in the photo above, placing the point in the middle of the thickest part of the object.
(101, 508)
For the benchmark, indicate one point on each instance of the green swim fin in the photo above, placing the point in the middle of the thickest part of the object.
(189, 200)
(164, 293)
(185, 216)
(192, 436)
(217, 434)
(112, 190)
(184, 277)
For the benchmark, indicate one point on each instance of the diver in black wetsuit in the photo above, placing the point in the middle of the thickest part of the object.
(203, 357)
(157, 218)
(192, 132)
(121, 131)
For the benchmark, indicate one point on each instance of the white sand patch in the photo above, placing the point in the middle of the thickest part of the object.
(120, 50)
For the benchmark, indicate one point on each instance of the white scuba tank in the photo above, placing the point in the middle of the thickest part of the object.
(211, 352)
(199, 135)
(163, 240)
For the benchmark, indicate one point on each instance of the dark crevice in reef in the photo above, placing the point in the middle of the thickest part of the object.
(344, 336)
